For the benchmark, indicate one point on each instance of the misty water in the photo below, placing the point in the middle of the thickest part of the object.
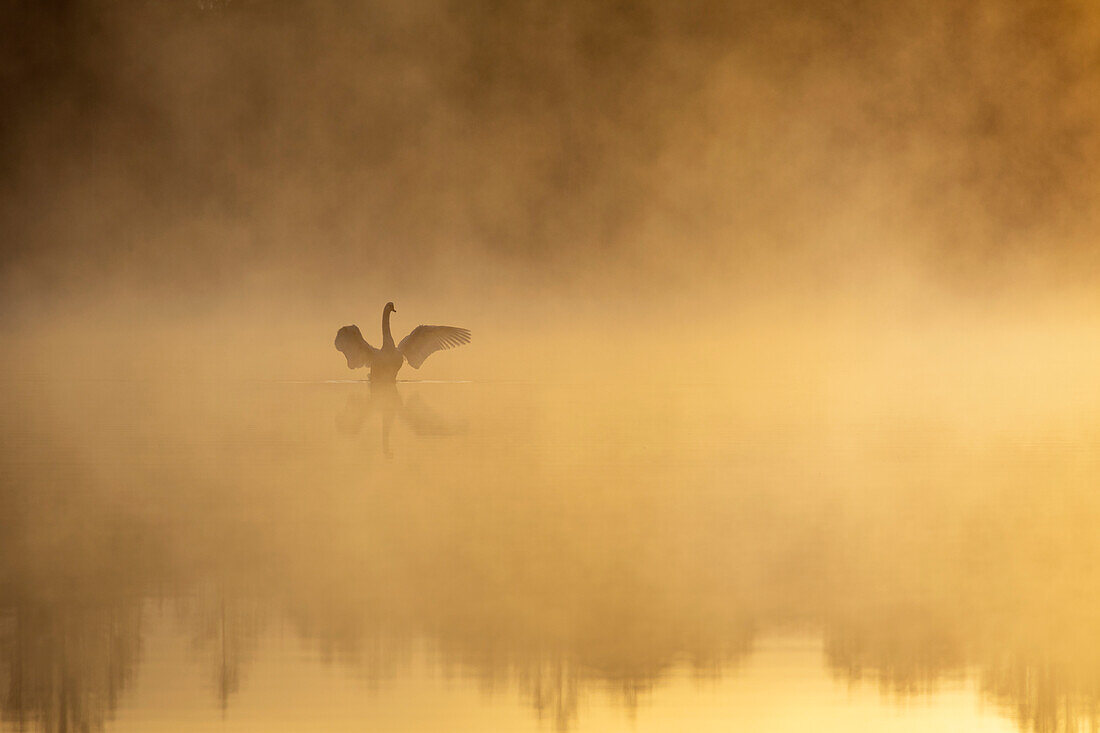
(781, 411)
(264, 555)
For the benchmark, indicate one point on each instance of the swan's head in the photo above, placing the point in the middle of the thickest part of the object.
(389, 308)
(349, 342)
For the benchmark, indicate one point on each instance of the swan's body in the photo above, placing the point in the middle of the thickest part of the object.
(384, 363)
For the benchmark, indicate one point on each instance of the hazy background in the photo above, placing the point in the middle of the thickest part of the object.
(807, 292)
(837, 193)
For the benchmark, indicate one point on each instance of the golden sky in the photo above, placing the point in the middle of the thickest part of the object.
(268, 162)
(192, 145)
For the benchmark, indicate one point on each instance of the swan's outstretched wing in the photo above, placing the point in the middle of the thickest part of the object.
(350, 343)
(426, 340)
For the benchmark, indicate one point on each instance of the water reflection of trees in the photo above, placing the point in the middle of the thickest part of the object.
(70, 625)
(224, 629)
(65, 667)
(906, 651)
(638, 566)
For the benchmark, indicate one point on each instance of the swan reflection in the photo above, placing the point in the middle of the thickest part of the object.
(384, 402)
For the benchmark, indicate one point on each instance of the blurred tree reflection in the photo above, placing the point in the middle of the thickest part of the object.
(71, 595)
(545, 552)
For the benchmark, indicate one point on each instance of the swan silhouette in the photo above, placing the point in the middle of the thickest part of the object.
(384, 363)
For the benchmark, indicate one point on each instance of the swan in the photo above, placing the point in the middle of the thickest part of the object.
(384, 363)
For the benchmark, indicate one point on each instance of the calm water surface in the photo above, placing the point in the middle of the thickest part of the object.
(441, 557)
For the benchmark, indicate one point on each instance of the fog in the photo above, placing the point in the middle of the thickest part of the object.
(784, 317)
(562, 544)
(825, 192)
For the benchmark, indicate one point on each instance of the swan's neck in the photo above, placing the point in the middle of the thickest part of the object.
(387, 337)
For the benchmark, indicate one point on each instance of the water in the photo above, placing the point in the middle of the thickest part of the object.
(265, 556)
